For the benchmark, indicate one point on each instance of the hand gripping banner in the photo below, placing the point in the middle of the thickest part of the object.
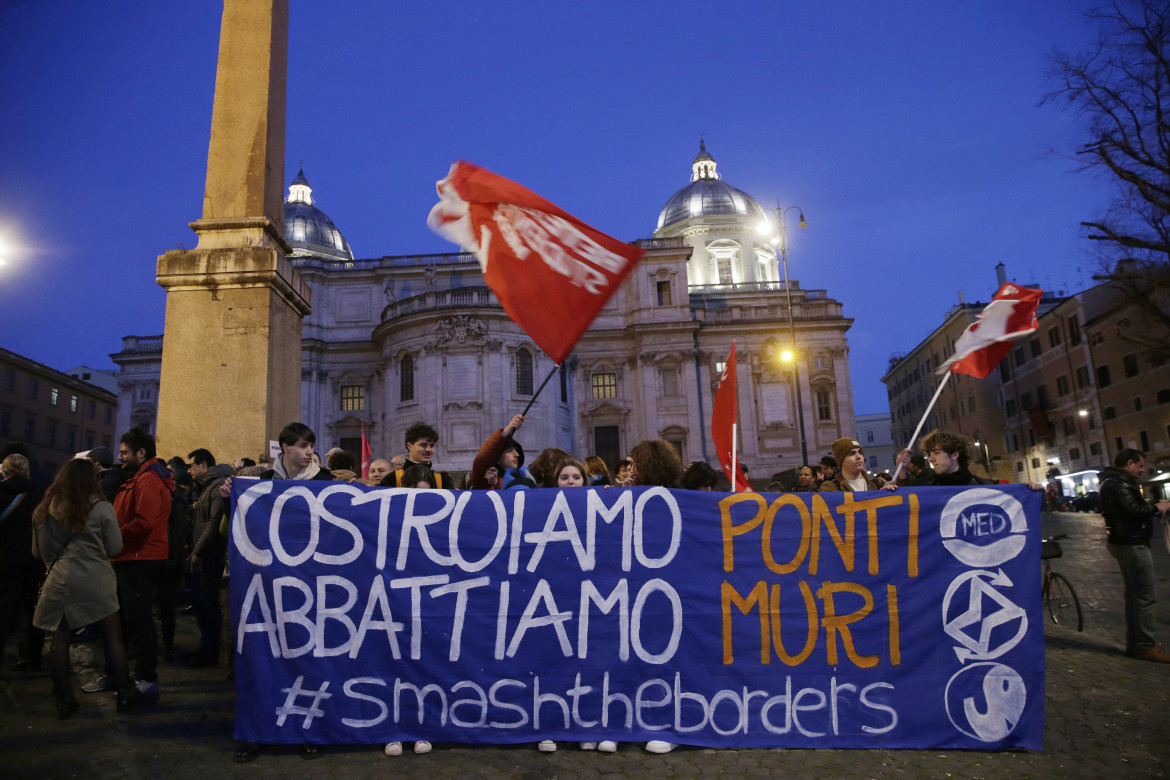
(893, 620)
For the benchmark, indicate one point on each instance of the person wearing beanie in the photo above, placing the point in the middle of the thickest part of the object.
(504, 452)
(851, 476)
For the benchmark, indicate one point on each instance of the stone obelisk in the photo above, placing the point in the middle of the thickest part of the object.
(231, 364)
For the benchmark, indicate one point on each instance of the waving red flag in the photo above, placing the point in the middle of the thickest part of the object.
(723, 425)
(551, 272)
(1010, 316)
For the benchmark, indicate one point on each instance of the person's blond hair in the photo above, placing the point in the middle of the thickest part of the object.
(15, 465)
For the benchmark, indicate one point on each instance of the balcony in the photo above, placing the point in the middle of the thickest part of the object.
(436, 300)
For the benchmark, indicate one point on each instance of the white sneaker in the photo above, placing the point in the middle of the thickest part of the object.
(103, 683)
(393, 749)
(659, 746)
(422, 746)
(588, 745)
(607, 746)
(547, 746)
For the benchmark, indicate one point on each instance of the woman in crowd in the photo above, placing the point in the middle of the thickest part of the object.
(699, 476)
(20, 572)
(569, 472)
(596, 472)
(76, 533)
(624, 473)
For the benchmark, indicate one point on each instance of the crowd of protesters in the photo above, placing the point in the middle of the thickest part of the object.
(106, 547)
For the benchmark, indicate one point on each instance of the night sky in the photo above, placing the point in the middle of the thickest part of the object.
(910, 133)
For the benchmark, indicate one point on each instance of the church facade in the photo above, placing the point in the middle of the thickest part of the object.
(398, 339)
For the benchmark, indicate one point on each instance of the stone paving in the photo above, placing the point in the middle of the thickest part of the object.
(1106, 715)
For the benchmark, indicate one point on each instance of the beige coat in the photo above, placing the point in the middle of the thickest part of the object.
(81, 585)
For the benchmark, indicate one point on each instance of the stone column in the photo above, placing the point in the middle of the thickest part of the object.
(231, 364)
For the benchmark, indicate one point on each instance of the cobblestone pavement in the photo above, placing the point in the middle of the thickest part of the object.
(1105, 715)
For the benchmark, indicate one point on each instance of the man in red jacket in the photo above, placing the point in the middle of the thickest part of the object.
(143, 506)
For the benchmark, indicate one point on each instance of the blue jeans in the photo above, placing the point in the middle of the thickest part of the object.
(1137, 571)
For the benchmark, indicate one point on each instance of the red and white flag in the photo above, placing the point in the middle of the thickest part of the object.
(551, 272)
(724, 424)
(365, 454)
(1009, 317)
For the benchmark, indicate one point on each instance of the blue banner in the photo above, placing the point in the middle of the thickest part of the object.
(905, 619)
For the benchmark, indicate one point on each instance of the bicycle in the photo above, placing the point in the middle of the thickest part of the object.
(1059, 597)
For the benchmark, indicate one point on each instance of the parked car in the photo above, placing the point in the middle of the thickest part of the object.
(1089, 502)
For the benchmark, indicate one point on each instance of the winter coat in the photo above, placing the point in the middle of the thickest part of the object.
(80, 585)
(1128, 516)
(143, 506)
(16, 529)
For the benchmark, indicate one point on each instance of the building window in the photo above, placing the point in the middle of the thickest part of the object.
(53, 394)
(30, 427)
(1054, 336)
(1131, 365)
(1034, 344)
(1042, 396)
(70, 438)
(818, 362)
(523, 372)
(970, 403)
(5, 421)
(824, 405)
(1137, 403)
(34, 387)
(1103, 376)
(91, 409)
(1010, 407)
(72, 403)
(1092, 420)
(1031, 437)
(564, 385)
(51, 433)
(89, 440)
(669, 381)
(663, 293)
(1095, 448)
(873, 462)
(1109, 413)
(1069, 424)
(1035, 463)
(869, 437)
(1018, 353)
(1026, 399)
(353, 398)
(1062, 387)
(144, 394)
(1074, 331)
(1074, 453)
(109, 414)
(1145, 441)
(9, 380)
(1019, 466)
(406, 379)
(604, 385)
(1082, 376)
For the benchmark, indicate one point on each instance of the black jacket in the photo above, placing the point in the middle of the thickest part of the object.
(956, 479)
(16, 529)
(1128, 515)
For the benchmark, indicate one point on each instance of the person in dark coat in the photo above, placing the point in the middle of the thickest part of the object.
(20, 571)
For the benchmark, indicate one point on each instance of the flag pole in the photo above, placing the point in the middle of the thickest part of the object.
(918, 430)
(734, 472)
(537, 393)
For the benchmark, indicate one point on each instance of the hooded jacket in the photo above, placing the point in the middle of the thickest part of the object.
(209, 508)
(143, 506)
(1128, 516)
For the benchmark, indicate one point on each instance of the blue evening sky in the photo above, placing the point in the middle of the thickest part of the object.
(909, 131)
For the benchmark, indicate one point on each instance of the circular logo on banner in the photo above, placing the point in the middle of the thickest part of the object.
(983, 527)
(985, 701)
(984, 621)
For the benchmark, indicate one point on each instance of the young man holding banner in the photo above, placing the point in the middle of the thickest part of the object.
(852, 477)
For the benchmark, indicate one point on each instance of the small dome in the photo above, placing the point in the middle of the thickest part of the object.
(707, 195)
(308, 229)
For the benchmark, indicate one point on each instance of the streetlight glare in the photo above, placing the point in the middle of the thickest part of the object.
(786, 356)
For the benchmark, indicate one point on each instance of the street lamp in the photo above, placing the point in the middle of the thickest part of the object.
(780, 241)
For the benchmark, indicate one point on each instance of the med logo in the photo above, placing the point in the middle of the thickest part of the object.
(983, 527)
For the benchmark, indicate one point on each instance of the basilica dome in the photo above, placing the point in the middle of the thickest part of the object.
(308, 229)
(707, 195)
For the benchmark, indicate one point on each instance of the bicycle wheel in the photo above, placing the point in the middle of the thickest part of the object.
(1063, 605)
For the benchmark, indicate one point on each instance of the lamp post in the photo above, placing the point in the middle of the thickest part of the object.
(780, 241)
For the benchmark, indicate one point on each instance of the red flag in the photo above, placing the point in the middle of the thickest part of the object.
(365, 454)
(723, 423)
(1010, 316)
(551, 272)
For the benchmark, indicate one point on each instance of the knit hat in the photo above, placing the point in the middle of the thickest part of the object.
(841, 448)
(101, 455)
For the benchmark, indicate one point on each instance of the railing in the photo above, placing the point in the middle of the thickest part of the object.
(748, 287)
(461, 258)
(458, 298)
(659, 243)
(142, 343)
(723, 314)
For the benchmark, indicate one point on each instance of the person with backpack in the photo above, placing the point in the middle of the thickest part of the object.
(208, 552)
(421, 439)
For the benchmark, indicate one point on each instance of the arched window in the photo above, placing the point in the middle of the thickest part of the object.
(523, 372)
(406, 378)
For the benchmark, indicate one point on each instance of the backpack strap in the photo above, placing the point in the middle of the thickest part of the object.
(438, 479)
(398, 477)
